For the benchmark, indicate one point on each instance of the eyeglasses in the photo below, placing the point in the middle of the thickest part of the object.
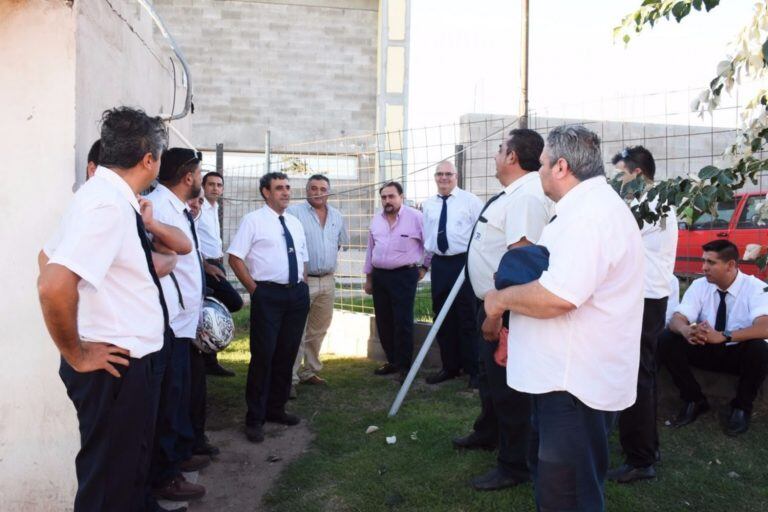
(624, 153)
(444, 174)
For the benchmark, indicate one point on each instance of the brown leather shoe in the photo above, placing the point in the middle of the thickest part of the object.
(178, 489)
(195, 463)
(314, 381)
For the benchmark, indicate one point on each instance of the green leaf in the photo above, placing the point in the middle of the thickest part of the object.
(765, 54)
(707, 172)
(625, 38)
(710, 4)
(649, 2)
(697, 4)
(680, 10)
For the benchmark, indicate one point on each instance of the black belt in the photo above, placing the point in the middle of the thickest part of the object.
(215, 261)
(404, 267)
(272, 284)
(320, 275)
(441, 256)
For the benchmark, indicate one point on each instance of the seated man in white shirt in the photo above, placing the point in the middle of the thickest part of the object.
(574, 335)
(720, 325)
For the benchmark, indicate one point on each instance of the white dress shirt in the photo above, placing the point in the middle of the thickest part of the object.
(260, 243)
(660, 244)
(169, 209)
(323, 242)
(209, 231)
(98, 240)
(463, 209)
(596, 263)
(522, 212)
(674, 298)
(744, 302)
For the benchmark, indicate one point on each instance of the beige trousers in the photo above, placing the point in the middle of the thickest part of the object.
(322, 291)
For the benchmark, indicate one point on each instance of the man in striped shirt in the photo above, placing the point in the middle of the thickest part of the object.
(326, 233)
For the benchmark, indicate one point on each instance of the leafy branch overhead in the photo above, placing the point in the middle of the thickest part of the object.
(747, 61)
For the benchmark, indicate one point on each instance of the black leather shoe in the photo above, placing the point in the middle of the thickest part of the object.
(255, 434)
(474, 382)
(689, 412)
(738, 422)
(473, 442)
(495, 480)
(205, 448)
(283, 418)
(625, 473)
(218, 371)
(385, 369)
(441, 376)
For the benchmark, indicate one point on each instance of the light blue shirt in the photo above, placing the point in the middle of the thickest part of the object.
(323, 242)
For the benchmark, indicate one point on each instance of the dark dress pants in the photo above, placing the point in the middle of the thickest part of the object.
(222, 290)
(505, 413)
(278, 315)
(173, 432)
(394, 292)
(569, 453)
(637, 424)
(116, 419)
(456, 338)
(747, 359)
(198, 397)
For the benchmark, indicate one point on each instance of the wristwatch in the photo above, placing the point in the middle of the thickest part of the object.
(727, 335)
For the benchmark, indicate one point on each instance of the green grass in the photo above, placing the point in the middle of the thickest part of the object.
(422, 305)
(347, 470)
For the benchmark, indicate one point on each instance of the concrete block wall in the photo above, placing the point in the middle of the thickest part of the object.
(306, 71)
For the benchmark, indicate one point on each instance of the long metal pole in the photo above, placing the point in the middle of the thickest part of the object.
(427, 343)
(267, 151)
(524, 66)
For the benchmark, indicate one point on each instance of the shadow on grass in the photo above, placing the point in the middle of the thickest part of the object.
(348, 470)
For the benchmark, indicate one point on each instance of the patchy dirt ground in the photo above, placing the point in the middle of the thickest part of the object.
(241, 475)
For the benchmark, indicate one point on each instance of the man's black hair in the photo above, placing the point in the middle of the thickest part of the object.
(725, 249)
(127, 135)
(527, 145)
(93, 153)
(212, 174)
(637, 157)
(395, 184)
(266, 181)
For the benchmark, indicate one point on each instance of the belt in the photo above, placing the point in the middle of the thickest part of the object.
(404, 267)
(321, 275)
(272, 284)
(442, 256)
(215, 261)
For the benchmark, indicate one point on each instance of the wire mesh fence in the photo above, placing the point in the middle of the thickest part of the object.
(681, 143)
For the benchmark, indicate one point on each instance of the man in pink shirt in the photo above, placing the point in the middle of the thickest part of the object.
(394, 263)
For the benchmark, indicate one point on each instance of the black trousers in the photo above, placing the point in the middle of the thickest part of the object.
(226, 293)
(173, 432)
(505, 414)
(278, 315)
(637, 424)
(569, 453)
(747, 359)
(116, 419)
(456, 338)
(394, 292)
(198, 397)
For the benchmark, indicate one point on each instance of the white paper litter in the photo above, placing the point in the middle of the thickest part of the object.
(371, 429)
(391, 439)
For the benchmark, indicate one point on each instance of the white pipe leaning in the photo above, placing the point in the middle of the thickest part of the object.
(427, 344)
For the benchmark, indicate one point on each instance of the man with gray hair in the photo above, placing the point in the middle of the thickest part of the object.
(326, 233)
(574, 333)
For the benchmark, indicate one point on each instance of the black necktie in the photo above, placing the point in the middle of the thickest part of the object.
(145, 244)
(197, 247)
(442, 234)
(720, 318)
(293, 266)
(552, 219)
(472, 235)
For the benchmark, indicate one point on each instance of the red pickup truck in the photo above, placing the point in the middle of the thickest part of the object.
(737, 221)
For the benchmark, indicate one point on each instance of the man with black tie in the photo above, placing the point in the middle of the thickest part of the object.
(268, 255)
(513, 218)
(448, 220)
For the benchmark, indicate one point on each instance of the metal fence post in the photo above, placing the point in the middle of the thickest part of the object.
(220, 170)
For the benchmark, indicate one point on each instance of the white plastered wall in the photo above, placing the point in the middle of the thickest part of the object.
(61, 65)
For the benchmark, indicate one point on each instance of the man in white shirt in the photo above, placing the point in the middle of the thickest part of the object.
(268, 255)
(180, 180)
(448, 220)
(209, 229)
(574, 335)
(103, 306)
(637, 424)
(720, 325)
(513, 218)
(326, 233)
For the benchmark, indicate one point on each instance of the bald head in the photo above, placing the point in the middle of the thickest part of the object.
(445, 177)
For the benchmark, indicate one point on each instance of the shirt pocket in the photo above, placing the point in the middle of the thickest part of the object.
(405, 242)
